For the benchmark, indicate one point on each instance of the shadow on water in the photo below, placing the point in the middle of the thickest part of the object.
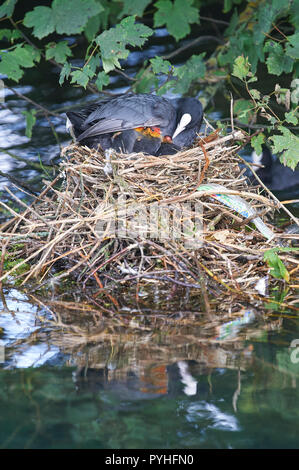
(161, 372)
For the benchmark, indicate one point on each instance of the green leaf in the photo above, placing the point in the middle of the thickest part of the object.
(177, 16)
(295, 91)
(278, 269)
(243, 110)
(92, 27)
(294, 15)
(12, 62)
(30, 121)
(288, 143)
(131, 7)
(146, 81)
(65, 72)
(160, 66)
(113, 42)
(292, 117)
(277, 61)
(10, 34)
(82, 77)
(10, 66)
(241, 67)
(193, 69)
(228, 5)
(64, 16)
(58, 51)
(41, 19)
(292, 47)
(233, 23)
(255, 93)
(102, 80)
(26, 55)
(71, 17)
(257, 141)
(241, 43)
(135, 33)
(7, 8)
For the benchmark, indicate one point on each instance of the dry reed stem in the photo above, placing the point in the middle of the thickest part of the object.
(60, 226)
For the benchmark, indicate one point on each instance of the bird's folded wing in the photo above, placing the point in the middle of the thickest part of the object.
(105, 126)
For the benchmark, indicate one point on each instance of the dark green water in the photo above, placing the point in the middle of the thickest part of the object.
(182, 381)
(136, 381)
(52, 407)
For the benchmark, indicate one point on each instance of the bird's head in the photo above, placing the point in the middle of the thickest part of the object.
(189, 115)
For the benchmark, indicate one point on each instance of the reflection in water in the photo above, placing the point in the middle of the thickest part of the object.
(80, 379)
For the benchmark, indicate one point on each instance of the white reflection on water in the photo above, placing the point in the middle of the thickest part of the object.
(35, 356)
(217, 419)
(18, 321)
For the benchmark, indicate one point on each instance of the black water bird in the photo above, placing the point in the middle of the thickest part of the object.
(138, 123)
(274, 174)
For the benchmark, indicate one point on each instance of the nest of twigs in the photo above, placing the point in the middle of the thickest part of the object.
(119, 219)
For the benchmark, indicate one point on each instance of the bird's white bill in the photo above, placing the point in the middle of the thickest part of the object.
(185, 119)
(69, 128)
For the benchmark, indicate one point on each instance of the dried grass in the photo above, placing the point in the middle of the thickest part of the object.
(60, 229)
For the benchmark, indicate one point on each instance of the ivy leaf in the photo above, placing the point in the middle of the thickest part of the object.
(102, 80)
(131, 7)
(256, 142)
(113, 42)
(277, 61)
(177, 16)
(41, 19)
(7, 8)
(241, 67)
(58, 51)
(292, 47)
(65, 72)
(71, 17)
(30, 121)
(278, 269)
(288, 143)
(243, 110)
